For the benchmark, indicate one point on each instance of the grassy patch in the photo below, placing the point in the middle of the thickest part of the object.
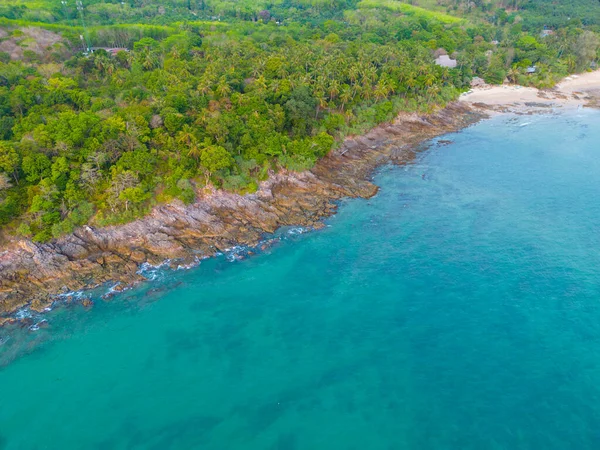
(4, 22)
(409, 10)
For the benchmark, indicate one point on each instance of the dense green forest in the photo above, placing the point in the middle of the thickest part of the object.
(221, 92)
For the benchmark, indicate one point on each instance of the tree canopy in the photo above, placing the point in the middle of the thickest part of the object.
(100, 137)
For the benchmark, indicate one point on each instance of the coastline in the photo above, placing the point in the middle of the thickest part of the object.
(575, 91)
(36, 275)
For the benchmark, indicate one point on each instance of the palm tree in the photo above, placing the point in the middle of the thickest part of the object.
(382, 89)
(334, 89)
(345, 95)
(353, 74)
(204, 85)
(194, 151)
(100, 61)
(433, 91)
(411, 82)
(149, 61)
(186, 136)
(282, 71)
(369, 74)
(513, 75)
(367, 91)
(260, 85)
(223, 88)
(429, 79)
(571, 62)
(445, 74)
(321, 102)
(258, 67)
(175, 53)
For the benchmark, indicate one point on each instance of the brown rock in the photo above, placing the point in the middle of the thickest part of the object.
(138, 256)
(87, 303)
(6, 321)
(111, 258)
(31, 273)
(39, 305)
(120, 288)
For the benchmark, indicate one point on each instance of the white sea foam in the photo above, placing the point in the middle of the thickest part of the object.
(235, 253)
(36, 326)
(191, 265)
(152, 272)
(24, 313)
(77, 295)
(111, 290)
(297, 230)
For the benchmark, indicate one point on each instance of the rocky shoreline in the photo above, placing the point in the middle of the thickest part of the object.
(35, 274)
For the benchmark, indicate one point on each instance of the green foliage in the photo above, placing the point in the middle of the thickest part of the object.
(215, 157)
(225, 92)
(296, 163)
(408, 9)
(186, 190)
(9, 208)
(36, 166)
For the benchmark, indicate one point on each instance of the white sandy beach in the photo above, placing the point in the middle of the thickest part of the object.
(573, 91)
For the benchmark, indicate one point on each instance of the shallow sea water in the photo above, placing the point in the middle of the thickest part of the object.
(457, 309)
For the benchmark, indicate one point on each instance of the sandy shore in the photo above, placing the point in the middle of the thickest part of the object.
(574, 91)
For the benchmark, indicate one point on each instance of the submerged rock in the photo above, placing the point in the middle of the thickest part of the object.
(87, 303)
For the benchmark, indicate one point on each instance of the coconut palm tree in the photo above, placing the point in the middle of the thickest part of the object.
(223, 88)
(194, 151)
(346, 95)
(513, 75)
(186, 136)
(334, 89)
(381, 90)
(321, 102)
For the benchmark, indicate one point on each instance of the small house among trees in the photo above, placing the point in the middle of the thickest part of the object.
(445, 61)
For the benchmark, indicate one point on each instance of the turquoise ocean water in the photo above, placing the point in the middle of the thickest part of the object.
(458, 309)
